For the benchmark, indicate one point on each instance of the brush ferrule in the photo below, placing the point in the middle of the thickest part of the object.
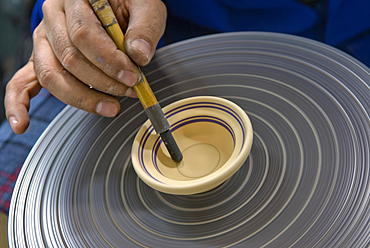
(157, 118)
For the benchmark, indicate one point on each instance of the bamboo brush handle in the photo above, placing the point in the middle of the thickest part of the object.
(106, 16)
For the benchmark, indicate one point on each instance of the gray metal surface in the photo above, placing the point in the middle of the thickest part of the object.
(305, 183)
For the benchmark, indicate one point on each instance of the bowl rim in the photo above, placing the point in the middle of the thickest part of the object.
(211, 180)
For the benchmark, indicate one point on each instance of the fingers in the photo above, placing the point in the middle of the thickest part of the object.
(63, 85)
(90, 38)
(71, 58)
(146, 26)
(75, 52)
(19, 91)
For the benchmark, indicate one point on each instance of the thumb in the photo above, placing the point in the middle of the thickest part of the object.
(146, 26)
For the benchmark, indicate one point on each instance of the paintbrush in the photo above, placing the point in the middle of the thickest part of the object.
(146, 96)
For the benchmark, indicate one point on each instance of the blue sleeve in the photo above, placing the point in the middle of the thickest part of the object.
(37, 14)
(344, 24)
(192, 18)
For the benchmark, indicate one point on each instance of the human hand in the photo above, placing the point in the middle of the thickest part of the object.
(76, 61)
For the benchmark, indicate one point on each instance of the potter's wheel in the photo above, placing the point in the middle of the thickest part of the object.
(305, 183)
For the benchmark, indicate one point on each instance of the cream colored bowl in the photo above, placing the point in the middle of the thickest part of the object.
(214, 135)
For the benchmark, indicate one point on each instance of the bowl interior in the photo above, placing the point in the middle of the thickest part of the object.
(206, 146)
(210, 134)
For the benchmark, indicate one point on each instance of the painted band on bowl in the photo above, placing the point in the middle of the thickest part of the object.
(180, 109)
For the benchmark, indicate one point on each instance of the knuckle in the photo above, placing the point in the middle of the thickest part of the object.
(78, 28)
(46, 76)
(64, 50)
(110, 87)
(68, 57)
(111, 63)
(47, 7)
(111, 58)
(37, 32)
(113, 88)
(161, 12)
(162, 7)
(78, 31)
(10, 88)
(14, 87)
(80, 102)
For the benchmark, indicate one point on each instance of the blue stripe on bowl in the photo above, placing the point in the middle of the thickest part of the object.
(208, 105)
(180, 109)
(206, 117)
(193, 105)
(143, 140)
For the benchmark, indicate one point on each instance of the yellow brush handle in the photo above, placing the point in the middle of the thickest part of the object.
(106, 16)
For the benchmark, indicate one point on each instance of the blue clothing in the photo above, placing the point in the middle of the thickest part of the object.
(341, 23)
(14, 148)
(344, 24)
(37, 15)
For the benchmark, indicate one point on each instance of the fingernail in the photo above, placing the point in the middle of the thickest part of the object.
(130, 92)
(13, 121)
(128, 77)
(143, 47)
(106, 108)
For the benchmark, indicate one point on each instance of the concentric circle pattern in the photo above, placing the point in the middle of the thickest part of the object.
(305, 183)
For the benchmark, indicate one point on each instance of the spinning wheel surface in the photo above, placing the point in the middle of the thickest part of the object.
(305, 183)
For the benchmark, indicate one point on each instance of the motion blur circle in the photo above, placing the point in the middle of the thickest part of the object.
(304, 184)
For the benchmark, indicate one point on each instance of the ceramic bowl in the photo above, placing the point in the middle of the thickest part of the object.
(214, 135)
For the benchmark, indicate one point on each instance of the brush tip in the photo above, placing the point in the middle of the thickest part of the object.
(171, 146)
